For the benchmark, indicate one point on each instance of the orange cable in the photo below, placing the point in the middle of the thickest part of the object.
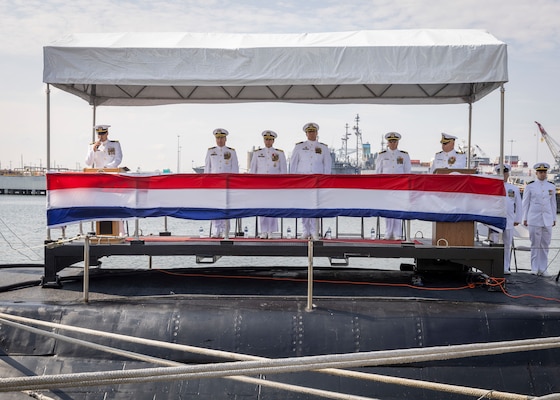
(493, 282)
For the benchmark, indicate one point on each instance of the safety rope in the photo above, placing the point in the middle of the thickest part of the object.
(321, 362)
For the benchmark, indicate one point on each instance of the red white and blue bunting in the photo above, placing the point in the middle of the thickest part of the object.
(77, 197)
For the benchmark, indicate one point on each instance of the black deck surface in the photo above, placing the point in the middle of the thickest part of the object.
(262, 311)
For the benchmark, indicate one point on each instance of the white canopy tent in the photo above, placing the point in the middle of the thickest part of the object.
(380, 67)
(407, 67)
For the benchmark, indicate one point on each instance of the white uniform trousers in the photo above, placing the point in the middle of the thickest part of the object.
(540, 241)
(220, 227)
(507, 236)
(309, 227)
(268, 225)
(393, 228)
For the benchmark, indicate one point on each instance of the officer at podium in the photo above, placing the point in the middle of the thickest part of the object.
(448, 157)
(104, 153)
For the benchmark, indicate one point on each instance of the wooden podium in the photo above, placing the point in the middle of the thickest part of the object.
(466, 171)
(107, 228)
(453, 233)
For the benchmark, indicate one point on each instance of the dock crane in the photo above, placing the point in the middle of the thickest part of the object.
(552, 145)
(480, 152)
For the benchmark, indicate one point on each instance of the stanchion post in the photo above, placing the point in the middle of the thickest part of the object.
(86, 268)
(309, 306)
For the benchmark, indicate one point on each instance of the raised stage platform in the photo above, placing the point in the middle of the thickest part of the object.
(488, 259)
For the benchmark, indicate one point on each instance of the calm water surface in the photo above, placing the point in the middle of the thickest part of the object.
(23, 231)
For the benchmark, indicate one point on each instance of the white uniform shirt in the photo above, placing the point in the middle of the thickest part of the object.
(108, 155)
(539, 203)
(393, 162)
(268, 161)
(451, 159)
(514, 208)
(221, 159)
(310, 157)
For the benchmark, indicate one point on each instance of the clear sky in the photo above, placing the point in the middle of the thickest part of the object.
(156, 138)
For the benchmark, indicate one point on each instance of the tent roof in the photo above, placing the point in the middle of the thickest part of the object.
(392, 67)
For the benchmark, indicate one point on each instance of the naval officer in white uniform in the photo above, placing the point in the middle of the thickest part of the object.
(268, 160)
(448, 157)
(514, 210)
(393, 161)
(310, 157)
(104, 153)
(221, 159)
(539, 215)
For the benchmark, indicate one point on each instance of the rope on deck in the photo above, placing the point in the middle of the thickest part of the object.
(263, 365)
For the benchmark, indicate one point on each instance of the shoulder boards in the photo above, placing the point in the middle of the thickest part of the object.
(384, 151)
(405, 152)
(459, 152)
(528, 183)
(231, 148)
(299, 143)
(210, 148)
(92, 143)
(114, 141)
(280, 150)
(323, 144)
(439, 152)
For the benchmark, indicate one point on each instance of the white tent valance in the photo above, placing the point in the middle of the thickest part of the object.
(391, 67)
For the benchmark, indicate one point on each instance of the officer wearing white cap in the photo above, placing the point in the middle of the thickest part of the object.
(393, 161)
(513, 214)
(539, 215)
(104, 153)
(221, 159)
(448, 157)
(268, 160)
(310, 157)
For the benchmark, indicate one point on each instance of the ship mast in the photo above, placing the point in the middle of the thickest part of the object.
(345, 145)
(359, 145)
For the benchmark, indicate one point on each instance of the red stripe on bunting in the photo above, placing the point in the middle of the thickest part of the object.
(411, 182)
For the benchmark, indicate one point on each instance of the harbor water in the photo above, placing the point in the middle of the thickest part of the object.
(23, 232)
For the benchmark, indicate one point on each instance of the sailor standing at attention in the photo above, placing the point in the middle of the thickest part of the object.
(310, 157)
(539, 215)
(220, 159)
(393, 161)
(448, 157)
(268, 160)
(513, 217)
(104, 153)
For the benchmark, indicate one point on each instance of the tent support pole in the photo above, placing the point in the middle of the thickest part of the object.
(48, 93)
(93, 125)
(469, 141)
(502, 128)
